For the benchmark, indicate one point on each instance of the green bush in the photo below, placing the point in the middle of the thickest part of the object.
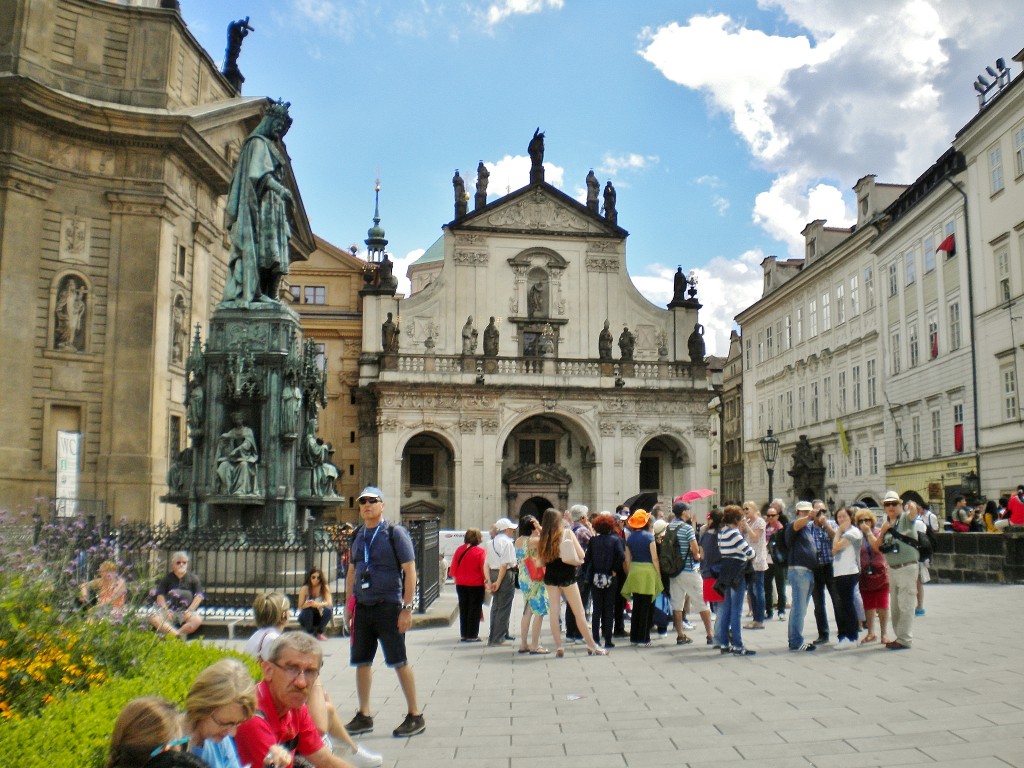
(74, 732)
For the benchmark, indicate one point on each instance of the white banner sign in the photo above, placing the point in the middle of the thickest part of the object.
(68, 451)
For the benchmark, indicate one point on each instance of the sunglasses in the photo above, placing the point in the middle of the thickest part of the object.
(890, 503)
(368, 500)
(772, 514)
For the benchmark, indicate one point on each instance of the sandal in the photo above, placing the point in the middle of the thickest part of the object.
(868, 639)
(595, 651)
(754, 625)
(559, 653)
(538, 651)
(524, 650)
(885, 640)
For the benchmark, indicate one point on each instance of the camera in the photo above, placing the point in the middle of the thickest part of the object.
(889, 547)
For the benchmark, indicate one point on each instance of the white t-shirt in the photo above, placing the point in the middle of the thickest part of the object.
(847, 560)
(259, 644)
(501, 551)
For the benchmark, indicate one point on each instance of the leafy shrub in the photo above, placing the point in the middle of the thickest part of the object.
(74, 731)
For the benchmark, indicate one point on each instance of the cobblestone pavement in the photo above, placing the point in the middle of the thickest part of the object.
(955, 699)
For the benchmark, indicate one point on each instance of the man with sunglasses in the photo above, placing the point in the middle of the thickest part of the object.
(897, 540)
(282, 727)
(382, 578)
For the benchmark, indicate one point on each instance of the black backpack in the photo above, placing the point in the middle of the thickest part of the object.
(669, 559)
(778, 547)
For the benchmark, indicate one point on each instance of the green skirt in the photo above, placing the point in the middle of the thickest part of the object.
(642, 579)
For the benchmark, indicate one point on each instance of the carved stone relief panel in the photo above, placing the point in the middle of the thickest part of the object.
(74, 239)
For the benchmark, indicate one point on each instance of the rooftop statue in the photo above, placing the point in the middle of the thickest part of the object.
(609, 203)
(237, 31)
(627, 343)
(491, 339)
(695, 344)
(389, 335)
(536, 152)
(257, 215)
(460, 195)
(593, 189)
(604, 343)
(469, 337)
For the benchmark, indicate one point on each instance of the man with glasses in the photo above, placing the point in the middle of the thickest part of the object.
(282, 727)
(178, 596)
(897, 540)
(382, 577)
(803, 559)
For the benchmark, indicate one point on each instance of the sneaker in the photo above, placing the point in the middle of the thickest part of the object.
(782, 615)
(743, 652)
(364, 758)
(919, 611)
(359, 724)
(805, 647)
(688, 626)
(845, 645)
(724, 649)
(412, 725)
(822, 640)
(684, 640)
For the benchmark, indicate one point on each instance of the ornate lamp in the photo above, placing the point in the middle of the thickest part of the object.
(770, 452)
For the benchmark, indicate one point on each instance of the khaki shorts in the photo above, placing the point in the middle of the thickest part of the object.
(687, 583)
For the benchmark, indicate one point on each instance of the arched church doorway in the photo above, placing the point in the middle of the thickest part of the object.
(428, 479)
(535, 506)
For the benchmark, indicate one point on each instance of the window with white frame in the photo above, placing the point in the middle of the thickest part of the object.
(1008, 376)
(858, 463)
(778, 335)
(789, 409)
(872, 374)
(760, 418)
(894, 279)
(771, 413)
(799, 325)
(1003, 291)
(788, 333)
(933, 334)
(855, 384)
(814, 402)
(841, 392)
(894, 348)
(760, 346)
(826, 311)
(936, 432)
(854, 296)
(958, 427)
(831, 464)
(929, 253)
(950, 229)
(869, 287)
(840, 304)
(769, 342)
(913, 345)
(826, 387)
(812, 319)
(801, 395)
(915, 437)
(910, 267)
(955, 336)
(748, 354)
(1018, 149)
(995, 168)
(873, 460)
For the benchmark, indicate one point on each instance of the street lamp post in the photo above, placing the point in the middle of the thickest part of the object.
(770, 452)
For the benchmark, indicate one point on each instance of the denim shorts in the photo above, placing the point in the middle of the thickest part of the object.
(373, 624)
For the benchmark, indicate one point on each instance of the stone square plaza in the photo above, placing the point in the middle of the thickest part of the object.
(955, 699)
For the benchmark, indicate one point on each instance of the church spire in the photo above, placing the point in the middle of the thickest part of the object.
(375, 240)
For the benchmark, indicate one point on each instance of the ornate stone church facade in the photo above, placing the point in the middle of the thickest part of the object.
(529, 371)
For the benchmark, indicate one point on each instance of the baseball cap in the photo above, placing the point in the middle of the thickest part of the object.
(371, 490)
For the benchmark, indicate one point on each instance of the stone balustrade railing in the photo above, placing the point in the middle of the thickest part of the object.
(527, 366)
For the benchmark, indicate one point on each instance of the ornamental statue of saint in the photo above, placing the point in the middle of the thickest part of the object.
(257, 215)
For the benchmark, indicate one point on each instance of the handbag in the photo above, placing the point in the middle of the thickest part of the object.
(535, 570)
(567, 549)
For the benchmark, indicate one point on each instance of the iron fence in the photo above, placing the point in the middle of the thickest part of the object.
(233, 564)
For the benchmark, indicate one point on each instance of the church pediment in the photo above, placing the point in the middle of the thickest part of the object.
(538, 209)
(537, 474)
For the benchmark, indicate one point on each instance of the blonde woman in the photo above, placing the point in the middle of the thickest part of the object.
(110, 588)
(753, 526)
(556, 545)
(222, 697)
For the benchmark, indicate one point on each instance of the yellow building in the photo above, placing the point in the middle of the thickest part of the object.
(117, 140)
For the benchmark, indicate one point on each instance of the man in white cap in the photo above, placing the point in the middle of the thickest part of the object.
(382, 577)
(803, 559)
(898, 541)
(502, 564)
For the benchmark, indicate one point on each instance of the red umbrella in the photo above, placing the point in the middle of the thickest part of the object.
(700, 493)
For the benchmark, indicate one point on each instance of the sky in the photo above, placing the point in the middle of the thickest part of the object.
(724, 125)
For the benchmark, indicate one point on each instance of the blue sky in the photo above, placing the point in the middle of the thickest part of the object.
(725, 126)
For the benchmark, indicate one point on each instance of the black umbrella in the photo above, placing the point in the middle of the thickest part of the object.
(644, 501)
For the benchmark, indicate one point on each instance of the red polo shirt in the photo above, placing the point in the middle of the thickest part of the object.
(294, 729)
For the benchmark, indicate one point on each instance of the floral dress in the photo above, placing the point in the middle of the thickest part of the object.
(534, 592)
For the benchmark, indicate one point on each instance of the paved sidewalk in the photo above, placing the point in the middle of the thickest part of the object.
(956, 699)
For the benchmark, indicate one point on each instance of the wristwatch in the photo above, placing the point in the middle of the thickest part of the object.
(407, 607)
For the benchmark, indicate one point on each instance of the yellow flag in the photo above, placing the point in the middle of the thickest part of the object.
(842, 437)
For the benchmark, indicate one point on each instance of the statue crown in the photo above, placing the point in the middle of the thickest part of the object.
(279, 108)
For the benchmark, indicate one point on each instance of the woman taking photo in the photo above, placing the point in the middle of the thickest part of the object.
(561, 554)
(731, 582)
(471, 581)
(316, 606)
(874, 578)
(531, 582)
(604, 561)
(222, 697)
(643, 576)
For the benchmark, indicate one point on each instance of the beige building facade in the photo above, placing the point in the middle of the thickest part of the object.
(117, 140)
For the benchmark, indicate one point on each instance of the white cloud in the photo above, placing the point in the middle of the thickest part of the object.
(328, 15)
(513, 171)
(710, 180)
(725, 286)
(878, 86)
(632, 161)
(720, 204)
(498, 12)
